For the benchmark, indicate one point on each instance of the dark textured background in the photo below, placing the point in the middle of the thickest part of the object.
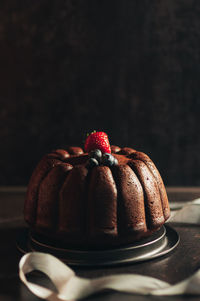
(130, 68)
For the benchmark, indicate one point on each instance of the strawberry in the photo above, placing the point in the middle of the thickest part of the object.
(97, 140)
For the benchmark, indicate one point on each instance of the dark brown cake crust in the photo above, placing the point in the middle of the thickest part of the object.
(99, 207)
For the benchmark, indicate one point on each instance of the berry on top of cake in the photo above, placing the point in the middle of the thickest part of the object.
(97, 140)
(98, 196)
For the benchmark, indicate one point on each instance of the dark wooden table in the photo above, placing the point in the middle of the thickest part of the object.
(179, 264)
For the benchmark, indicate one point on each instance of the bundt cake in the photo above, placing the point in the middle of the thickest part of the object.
(94, 199)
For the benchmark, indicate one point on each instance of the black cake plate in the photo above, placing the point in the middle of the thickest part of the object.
(159, 244)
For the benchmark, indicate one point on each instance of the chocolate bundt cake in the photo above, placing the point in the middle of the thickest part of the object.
(76, 202)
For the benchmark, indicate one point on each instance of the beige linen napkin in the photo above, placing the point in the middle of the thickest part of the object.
(71, 287)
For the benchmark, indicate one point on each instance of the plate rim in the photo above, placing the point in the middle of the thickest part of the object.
(170, 242)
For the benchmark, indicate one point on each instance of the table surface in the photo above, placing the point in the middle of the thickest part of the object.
(176, 266)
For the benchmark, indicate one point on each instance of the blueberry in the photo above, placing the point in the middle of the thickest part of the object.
(96, 154)
(92, 162)
(108, 159)
(115, 161)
